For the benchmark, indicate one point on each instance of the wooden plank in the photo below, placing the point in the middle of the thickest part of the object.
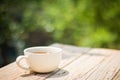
(10, 72)
(83, 66)
(80, 66)
(117, 75)
(105, 70)
(13, 72)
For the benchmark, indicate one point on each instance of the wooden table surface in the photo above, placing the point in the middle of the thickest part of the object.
(78, 63)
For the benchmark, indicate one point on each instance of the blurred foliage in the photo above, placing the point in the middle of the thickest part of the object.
(91, 23)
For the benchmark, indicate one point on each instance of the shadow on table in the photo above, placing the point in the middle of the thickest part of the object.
(58, 73)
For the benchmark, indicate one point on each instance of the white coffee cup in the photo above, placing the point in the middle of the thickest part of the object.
(41, 59)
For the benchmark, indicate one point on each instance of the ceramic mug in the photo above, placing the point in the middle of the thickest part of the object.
(41, 59)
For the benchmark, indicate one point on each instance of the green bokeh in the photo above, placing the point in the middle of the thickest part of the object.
(89, 23)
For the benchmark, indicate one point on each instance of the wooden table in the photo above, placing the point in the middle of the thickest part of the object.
(78, 63)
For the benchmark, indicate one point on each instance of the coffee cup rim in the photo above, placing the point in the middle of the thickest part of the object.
(36, 47)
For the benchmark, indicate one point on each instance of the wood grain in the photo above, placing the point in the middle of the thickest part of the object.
(106, 70)
(117, 75)
(78, 63)
(10, 72)
(79, 66)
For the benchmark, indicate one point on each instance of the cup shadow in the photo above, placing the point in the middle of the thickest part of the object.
(54, 74)
(60, 73)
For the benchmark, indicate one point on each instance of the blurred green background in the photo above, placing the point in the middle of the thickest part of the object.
(86, 23)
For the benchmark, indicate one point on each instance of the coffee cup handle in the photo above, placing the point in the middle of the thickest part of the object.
(19, 59)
